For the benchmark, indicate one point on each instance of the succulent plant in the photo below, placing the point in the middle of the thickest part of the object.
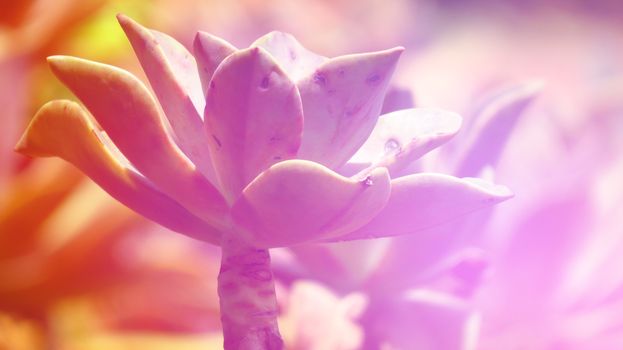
(249, 149)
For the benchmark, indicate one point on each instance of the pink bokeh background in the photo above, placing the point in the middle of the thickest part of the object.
(540, 271)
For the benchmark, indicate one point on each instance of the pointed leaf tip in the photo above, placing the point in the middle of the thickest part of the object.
(31, 144)
(499, 193)
(174, 77)
(342, 100)
(55, 61)
(291, 55)
(122, 18)
(209, 52)
(22, 145)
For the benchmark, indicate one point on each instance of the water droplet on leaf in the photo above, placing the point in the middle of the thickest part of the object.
(392, 146)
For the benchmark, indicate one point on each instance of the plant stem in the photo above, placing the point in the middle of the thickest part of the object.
(247, 297)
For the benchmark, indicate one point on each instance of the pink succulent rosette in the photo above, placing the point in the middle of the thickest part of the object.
(246, 149)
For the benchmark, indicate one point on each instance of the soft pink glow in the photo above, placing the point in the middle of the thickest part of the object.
(235, 176)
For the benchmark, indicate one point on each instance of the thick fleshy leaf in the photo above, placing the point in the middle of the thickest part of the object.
(64, 129)
(300, 201)
(486, 139)
(172, 73)
(422, 201)
(401, 137)
(342, 100)
(296, 60)
(423, 319)
(253, 117)
(210, 51)
(130, 116)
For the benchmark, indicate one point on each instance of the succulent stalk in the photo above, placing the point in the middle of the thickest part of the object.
(248, 302)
